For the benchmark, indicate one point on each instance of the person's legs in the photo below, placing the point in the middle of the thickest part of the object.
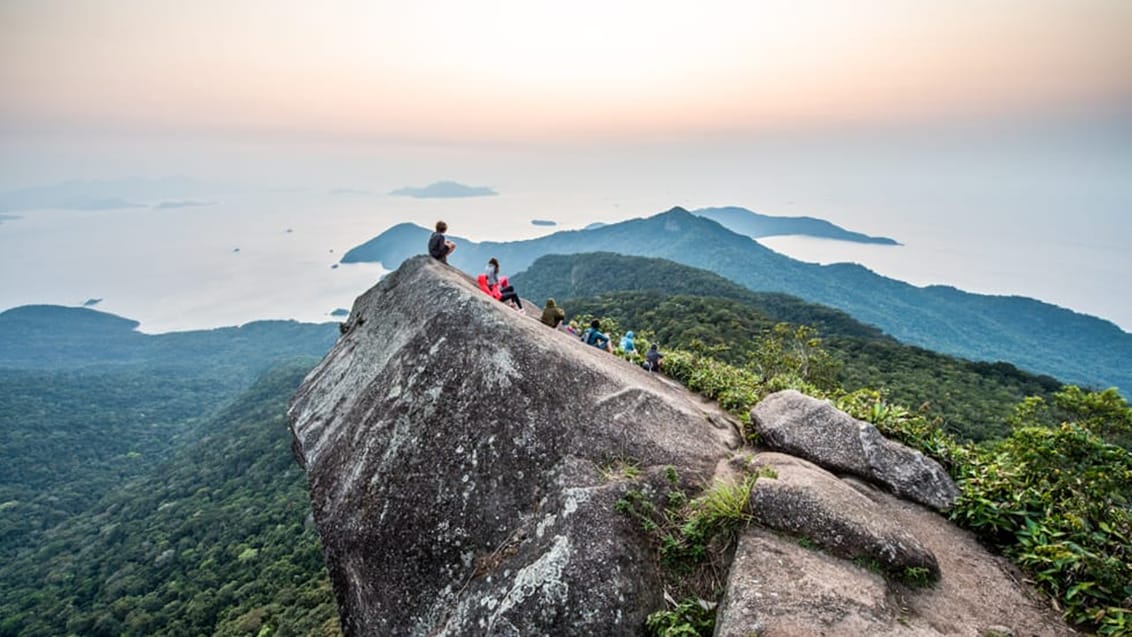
(509, 295)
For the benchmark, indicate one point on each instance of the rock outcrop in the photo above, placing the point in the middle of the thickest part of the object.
(811, 503)
(454, 450)
(777, 588)
(459, 456)
(797, 424)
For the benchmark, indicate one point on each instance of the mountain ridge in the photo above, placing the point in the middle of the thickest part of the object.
(1034, 335)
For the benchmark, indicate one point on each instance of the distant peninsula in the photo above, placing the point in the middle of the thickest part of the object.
(543, 222)
(444, 190)
(757, 226)
(114, 194)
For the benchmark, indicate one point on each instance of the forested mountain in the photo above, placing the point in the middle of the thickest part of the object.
(92, 413)
(149, 488)
(1033, 335)
(87, 402)
(689, 308)
(590, 274)
(215, 540)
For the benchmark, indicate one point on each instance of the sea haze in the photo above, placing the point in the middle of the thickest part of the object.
(996, 216)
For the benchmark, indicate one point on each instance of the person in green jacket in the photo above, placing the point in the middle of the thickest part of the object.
(552, 315)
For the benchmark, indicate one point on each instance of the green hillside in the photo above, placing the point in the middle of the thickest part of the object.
(87, 402)
(216, 540)
(689, 308)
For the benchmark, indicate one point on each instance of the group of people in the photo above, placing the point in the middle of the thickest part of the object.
(593, 335)
(498, 287)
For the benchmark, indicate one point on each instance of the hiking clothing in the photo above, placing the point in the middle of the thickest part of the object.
(552, 315)
(438, 246)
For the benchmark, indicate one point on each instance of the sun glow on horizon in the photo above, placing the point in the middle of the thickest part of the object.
(517, 69)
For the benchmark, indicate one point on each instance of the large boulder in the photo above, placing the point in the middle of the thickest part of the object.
(779, 588)
(807, 502)
(454, 449)
(800, 425)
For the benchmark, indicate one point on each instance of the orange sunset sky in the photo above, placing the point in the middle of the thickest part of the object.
(531, 70)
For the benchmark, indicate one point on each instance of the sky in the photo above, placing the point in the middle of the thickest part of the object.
(524, 71)
(993, 132)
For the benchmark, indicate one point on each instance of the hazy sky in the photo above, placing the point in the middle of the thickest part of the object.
(534, 70)
(989, 134)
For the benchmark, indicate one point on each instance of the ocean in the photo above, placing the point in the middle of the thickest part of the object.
(992, 219)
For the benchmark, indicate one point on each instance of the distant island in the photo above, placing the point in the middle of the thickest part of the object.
(91, 302)
(340, 312)
(4, 218)
(444, 190)
(594, 226)
(183, 203)
(543, 222)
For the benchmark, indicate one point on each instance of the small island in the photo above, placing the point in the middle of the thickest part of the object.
(543, 222)
(444, 190)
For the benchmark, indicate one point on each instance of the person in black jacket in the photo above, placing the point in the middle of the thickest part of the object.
(652, 359)
(438, 245)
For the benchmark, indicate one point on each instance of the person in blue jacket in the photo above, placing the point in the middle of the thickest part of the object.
(627, 346)
(594, 336)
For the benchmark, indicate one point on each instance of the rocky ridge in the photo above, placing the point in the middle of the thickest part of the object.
(459, 456)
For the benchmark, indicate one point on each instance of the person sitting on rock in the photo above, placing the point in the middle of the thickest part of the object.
(508, 295)
(439, 247)
(492, 291)
(652, 359)
(627, 346)
(491, 272)
(553, 315)
(594, 336)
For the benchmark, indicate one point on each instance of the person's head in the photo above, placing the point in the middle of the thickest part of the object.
(629, 333)
(441, 226)
(550, 302)
(596, 324)
(652, 348)
(493, 262)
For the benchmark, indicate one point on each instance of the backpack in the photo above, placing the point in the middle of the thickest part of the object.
(585, 336)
